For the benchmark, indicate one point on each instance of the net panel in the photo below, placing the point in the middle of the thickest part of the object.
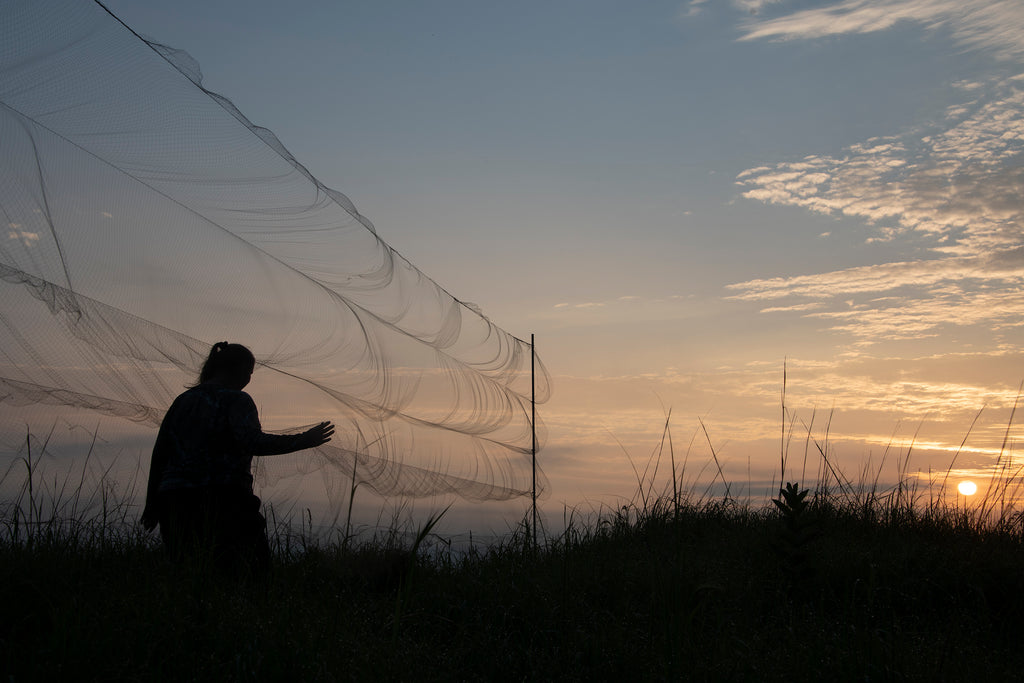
(146, 218)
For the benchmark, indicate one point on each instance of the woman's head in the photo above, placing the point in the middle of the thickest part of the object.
(228, 363)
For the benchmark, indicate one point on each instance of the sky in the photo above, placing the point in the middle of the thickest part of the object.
(783, 223)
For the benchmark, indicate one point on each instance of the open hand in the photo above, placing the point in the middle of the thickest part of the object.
(318, 435)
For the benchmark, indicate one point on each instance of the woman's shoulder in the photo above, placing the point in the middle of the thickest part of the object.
(213, 394)
(231, 397)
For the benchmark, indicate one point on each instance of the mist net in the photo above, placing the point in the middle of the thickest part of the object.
(146, 218)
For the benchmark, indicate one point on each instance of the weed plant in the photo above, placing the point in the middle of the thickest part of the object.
(833, 581)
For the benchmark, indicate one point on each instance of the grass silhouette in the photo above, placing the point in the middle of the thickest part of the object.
(837, 580)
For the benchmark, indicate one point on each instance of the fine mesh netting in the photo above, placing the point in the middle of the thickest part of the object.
(146, 218)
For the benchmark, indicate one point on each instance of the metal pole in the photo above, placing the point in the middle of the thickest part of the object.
(533, 428)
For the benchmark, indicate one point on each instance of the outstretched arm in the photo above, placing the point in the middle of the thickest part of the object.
(245, 423)
(279, 444)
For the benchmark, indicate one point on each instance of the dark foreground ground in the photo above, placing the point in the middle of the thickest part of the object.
(707, 592)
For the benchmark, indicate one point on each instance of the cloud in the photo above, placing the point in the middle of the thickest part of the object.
(754, 7)
(692, 8)
(930, 297)
(1006, 268)
(628, 301)
(954, 190)
(796, 307)
(890, 397)
(16, 231)
(960, 182)
(917, 318)
(993, 25)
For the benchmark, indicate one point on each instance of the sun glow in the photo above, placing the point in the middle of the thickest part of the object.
(967, 488)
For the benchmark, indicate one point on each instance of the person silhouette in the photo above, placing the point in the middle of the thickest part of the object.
(199, 490)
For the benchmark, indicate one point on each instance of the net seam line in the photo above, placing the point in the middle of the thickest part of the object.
(27, 280)
(294, 162)
(450, 479)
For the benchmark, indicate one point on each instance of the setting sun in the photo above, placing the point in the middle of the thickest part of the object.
(967, 488)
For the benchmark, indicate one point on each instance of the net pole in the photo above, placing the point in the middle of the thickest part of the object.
(533, 429)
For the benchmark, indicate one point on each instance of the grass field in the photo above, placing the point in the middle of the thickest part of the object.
(874, 585)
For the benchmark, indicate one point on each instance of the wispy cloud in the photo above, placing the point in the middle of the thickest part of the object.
(1005, 267)
(890, 398)
(929, 296)
(795, 307)
(583, 305)
(960, 182)
(628, 301)
(755, 6)
(692, 8)
(993, 25)
(16, 231)
(955, 189)
(915, 318)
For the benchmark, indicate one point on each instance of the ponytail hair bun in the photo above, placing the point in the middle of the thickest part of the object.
(229, 358)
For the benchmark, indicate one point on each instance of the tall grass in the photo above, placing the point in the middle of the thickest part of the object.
(837, 578)
(87, 509)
